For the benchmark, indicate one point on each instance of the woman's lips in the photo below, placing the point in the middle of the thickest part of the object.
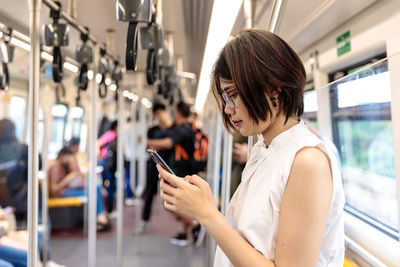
(237, 123)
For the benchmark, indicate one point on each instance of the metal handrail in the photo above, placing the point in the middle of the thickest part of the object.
(360, 251)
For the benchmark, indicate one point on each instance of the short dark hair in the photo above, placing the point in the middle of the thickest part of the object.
(159, 106)
(64, 152)
(260, 63)
(74, 141)
(114, 125)
(184, 109)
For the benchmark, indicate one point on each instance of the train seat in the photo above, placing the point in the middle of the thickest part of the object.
(67, 212)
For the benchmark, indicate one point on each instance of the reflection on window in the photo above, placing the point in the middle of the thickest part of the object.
(362, 130)
(310, 104)
(371, 89)
(310, 101)
(77, 115)
(59, 113)
(17, 114)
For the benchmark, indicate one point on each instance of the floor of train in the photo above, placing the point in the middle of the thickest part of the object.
(151, 249)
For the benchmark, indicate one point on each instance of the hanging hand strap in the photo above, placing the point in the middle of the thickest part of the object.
(131, 46)
(103, 87)
(83, 79)
(151, 70)
(57, 65)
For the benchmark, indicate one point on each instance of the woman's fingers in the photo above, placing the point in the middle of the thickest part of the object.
(169, 206)
(167, 188)
(170, 178)
(167, 197)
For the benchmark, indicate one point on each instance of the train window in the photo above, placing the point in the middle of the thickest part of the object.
(77, 116)
(17, 114)
(59, 113)
(310, 104)
(362, 131)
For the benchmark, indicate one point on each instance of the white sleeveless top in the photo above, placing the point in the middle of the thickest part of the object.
(254, 208)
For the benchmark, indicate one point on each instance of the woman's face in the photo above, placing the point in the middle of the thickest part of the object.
(240, 116)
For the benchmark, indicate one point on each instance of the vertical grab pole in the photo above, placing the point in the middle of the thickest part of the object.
(273, 24)
(120, 171)
(34, 82)
(216, 178)
(142, 128)
(45, 190)
(226, 177)
(93, 128)
(133, 137)
(218, 141)
(275, 16)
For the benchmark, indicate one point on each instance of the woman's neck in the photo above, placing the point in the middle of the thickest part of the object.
(277, 127)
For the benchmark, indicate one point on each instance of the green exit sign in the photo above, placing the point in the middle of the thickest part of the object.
(343, 43)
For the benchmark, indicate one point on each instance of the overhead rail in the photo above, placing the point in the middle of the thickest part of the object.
(73, 22)
(22, 41)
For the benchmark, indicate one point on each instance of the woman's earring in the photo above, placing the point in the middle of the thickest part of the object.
(274, 101)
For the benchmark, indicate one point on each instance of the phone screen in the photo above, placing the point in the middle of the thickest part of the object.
(158, 160)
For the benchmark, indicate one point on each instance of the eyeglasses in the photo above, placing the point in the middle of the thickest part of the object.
(227, 98)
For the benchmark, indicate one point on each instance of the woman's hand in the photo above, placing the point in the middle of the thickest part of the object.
(190, 196)
(239, 153)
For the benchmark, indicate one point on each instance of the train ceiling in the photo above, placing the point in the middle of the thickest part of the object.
(303, 23)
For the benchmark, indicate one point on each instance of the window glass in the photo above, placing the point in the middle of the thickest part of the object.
(362, 131)
(59, 113)
(364, 91)
(17, 114)
(310, 101)
(77, 115)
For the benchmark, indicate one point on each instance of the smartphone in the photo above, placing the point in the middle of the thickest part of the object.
(158, 160)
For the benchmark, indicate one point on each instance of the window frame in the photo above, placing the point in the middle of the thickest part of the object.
(377, 111)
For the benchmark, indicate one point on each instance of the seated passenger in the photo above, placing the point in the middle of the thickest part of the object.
(13, 244)
(9, 144)
(17, 186)
(66, 182)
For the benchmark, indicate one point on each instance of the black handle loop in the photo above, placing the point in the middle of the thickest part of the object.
(103, 86)
(131, 46)
(85, 36)
(4, 78)
(78, 98)
(83, 79)
(151, 69)
(60, 98)
(57, 66)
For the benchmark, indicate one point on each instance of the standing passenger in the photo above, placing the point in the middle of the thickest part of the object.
(288, 209)
(180, 137)
(158, 131)
(107, 144)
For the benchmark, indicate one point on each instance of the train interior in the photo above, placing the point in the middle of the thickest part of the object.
(351, 53)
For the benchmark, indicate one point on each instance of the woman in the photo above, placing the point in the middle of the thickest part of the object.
(288, 209)
(66, 181)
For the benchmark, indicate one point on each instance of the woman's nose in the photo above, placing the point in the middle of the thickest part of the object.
(228, 110)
